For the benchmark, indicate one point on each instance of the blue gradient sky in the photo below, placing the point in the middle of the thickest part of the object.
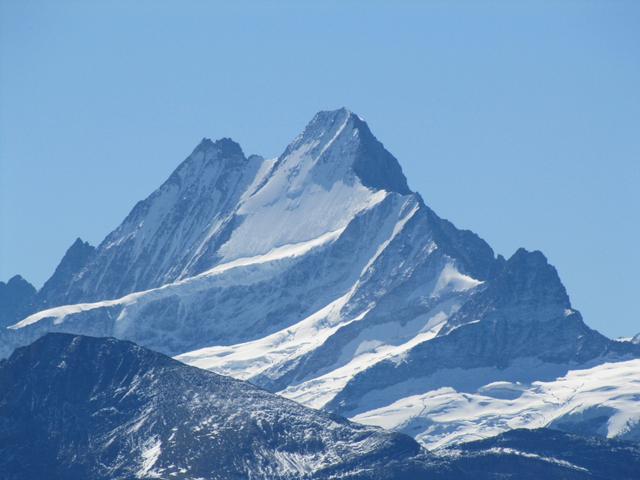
(518, 120)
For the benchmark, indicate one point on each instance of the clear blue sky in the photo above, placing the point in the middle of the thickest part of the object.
(518, 120)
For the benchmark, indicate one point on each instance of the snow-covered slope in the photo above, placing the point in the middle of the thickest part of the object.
(600, 400)
(318, 275)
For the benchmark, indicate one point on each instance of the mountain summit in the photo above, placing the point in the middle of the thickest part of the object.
(320, 276)
(339, 143)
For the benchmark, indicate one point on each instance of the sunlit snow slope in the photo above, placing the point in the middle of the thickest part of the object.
(602, 399)
(321, 276)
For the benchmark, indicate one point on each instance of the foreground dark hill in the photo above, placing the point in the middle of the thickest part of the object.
(78, 407)
(75, 407)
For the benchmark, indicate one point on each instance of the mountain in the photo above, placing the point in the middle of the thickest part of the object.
(321, 276)
(77, 407)
(17, 299)
(75, 260)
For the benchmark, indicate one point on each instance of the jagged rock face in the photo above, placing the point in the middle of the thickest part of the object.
(72, 265)
(321, 276)
(166, 234)
(77, 407)
(17, 299)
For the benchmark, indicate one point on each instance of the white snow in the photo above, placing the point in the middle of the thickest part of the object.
(447, 415)
(302, 200)
(283, 252)
(150, 455)
(59, 313)
(377, 343)
(248, 359)
(286, 251)
(294, 217)
(451, 280)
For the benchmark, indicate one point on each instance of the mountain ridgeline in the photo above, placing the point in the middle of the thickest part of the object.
(319, 275)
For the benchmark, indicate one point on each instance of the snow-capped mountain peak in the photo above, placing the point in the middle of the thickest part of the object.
(329, 174)
(340, 145)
